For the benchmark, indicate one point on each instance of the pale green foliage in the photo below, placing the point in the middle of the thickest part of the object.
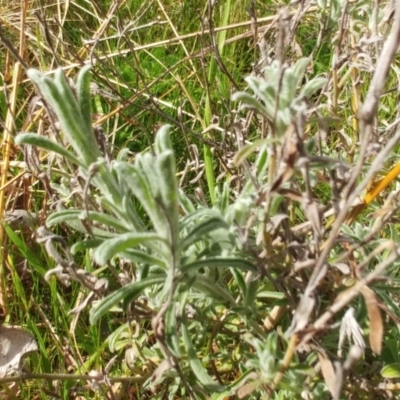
(177, 257)
(276, 93)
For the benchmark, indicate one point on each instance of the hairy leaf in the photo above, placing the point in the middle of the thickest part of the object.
(111, 247)
(131, 290)
(195, 364)
(34, 139)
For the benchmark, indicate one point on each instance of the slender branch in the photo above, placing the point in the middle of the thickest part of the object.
(369, 108)
(344, 298)
(71, 377)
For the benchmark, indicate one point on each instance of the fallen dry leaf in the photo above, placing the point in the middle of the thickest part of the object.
(328, 372)
(248, 389)
(15, 344)
(375, 320)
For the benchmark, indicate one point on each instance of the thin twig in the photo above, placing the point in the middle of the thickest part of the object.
(71, 377)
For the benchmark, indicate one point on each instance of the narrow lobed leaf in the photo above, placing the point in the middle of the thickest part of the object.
(83, 96)
(34, 139)
(202, 229)
(235, 263)
(195, 364)
(111, 247)
(130, 290)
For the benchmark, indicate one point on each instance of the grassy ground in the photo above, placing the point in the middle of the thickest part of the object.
(220, 332)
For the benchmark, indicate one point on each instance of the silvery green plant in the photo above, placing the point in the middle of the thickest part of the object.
(276, 94)
(177, 257)
(280, 96)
